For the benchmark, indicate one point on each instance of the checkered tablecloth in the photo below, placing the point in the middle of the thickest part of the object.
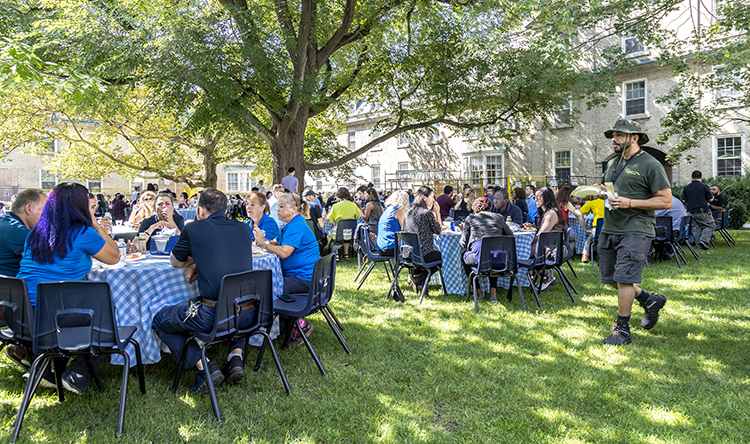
(187, 214)
(456, 281)
(331, 226)
(140, 290)
(578, 231)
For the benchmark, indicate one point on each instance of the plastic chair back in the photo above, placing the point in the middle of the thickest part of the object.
(598, 230)
(685, 224)
(345, 230)
(664, 224)
(167, 250)
(550, 249)
(411, 240)
(75, 316)
(253, 289)
(459, 214)
(727, 216)
(125, 236)
(321, 286)
(497, 255)
(17, 310)
(571, 250)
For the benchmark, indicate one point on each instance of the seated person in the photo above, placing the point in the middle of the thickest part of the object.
(594, 205)
(552, 220)
(482, 223)
(313, 217)
(503, 206)
(164, 218)
(297, 250)
(144, 209)
(424, 219)
(203, 251)
(343, 209)
(372, 212)
(677, 212)
(59, 248)
(445, 201)
(719, 202)
(391, 221)
(519, 200)
(259, 214)
(465, 200)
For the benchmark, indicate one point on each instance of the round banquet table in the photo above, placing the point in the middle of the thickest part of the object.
(456, 281)
(141, 288)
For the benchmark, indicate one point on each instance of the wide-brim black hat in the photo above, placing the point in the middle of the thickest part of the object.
(628, 127)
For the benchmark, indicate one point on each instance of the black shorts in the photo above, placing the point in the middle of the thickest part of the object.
(621, 257)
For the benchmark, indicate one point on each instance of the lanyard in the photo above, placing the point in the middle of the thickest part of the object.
(617, 173)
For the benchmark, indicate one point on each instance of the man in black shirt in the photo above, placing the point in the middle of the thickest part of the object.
(696, 196)
(207, 249)
(720, 202)
(502, 205)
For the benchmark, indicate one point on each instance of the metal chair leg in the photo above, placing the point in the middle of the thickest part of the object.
(139, 365)
(210, 382)
(123, 392)
(366, 274)
(310, 348)
(267, 339)
(336, 331)
(34, 378)
(533, 288)
(180, 364)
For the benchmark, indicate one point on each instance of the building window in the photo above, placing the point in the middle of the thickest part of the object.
(52, 146)
(95, 186)
(563, 116)
(48, 180)
(434, 135)
(484, 169)
(319, 185)
(375, 135)
(726, 93)
(403, 166)
(403, 140)
(376, 175)
(632, 46)
(352, 140)
(635, 98)
(233, 182)
(562, 166)
(729, 156)
(494, 169)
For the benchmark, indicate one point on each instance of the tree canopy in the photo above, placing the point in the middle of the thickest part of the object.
(276, 73)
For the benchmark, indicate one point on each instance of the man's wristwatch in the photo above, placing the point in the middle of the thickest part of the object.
(265, 244)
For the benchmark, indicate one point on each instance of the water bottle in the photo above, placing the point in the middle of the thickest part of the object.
(123, 249)
(108, 216)
(508, 220)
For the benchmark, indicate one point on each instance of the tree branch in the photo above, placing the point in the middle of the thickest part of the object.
(317, 108)
(287, 27)
(333, 43)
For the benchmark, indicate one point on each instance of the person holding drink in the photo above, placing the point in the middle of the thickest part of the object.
(164, 218)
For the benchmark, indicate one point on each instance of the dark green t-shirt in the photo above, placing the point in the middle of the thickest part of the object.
(642, 177)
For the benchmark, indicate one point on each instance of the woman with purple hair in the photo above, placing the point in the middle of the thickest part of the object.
(59, 248)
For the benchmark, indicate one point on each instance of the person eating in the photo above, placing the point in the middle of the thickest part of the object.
(259, 213)
(144, 209)
(164, 218)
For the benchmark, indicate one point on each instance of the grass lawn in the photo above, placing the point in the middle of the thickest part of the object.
(439, 373)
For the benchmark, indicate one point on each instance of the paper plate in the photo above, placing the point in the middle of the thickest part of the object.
(586, 191)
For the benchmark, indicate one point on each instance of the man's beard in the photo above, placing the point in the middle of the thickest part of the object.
(619, 149)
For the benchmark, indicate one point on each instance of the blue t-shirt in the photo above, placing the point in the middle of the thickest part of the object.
(13, 234)
(301, 262)
(269, 227)
(388, 226)
(73, 267)
(533, 212)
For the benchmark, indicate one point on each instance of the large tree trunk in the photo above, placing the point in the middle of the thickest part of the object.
(288, 148)
(209, 162)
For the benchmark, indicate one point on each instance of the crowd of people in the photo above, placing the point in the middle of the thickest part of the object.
(54, 237)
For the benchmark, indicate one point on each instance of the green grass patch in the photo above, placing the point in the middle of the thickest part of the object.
(439, 373)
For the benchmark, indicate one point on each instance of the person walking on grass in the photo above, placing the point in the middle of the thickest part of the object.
(641, 186)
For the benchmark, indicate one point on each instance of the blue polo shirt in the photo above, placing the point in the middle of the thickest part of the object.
(510, 210)
(74, 266)
(12, 239)
(269, 227)
(218, 246)
(301, 262)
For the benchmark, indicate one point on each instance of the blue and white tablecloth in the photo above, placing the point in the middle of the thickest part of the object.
(331, 226)
(142, 288)
(456, 281)
(578, 231)
(187, 214)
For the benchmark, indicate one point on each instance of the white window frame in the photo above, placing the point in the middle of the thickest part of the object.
(378, 177)
(715, 151)
(55, 146)
(570, 163)
(640, 53)
(41, 181)
(403, 140)
(101, 182)
(352, 143)
(734, 95)
(645, 114)
(477, 170)
(559, 123)
(433, 137)
(375, 135)
(245, 179)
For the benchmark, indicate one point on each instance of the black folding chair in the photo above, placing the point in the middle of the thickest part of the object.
(18, 314)
(374, 255)
(665, 238)
(570, 251)
(414, 261)
(497, 258)
(722, 223)
(77, 318)
(686, 232)
(244, 308)
(345, 229)
(316, 300)
(548, 256)
(125, 236)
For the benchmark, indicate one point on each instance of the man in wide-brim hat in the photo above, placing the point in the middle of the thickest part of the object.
(641, 186)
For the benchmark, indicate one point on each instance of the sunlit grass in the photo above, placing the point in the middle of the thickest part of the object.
(440, 373)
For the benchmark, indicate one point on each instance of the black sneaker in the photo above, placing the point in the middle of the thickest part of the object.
(703, 245)
(620, 335)
(48, 378)
(651, 308)
(234, 371)
(75, 382)
(17, 354)
(217, 377)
